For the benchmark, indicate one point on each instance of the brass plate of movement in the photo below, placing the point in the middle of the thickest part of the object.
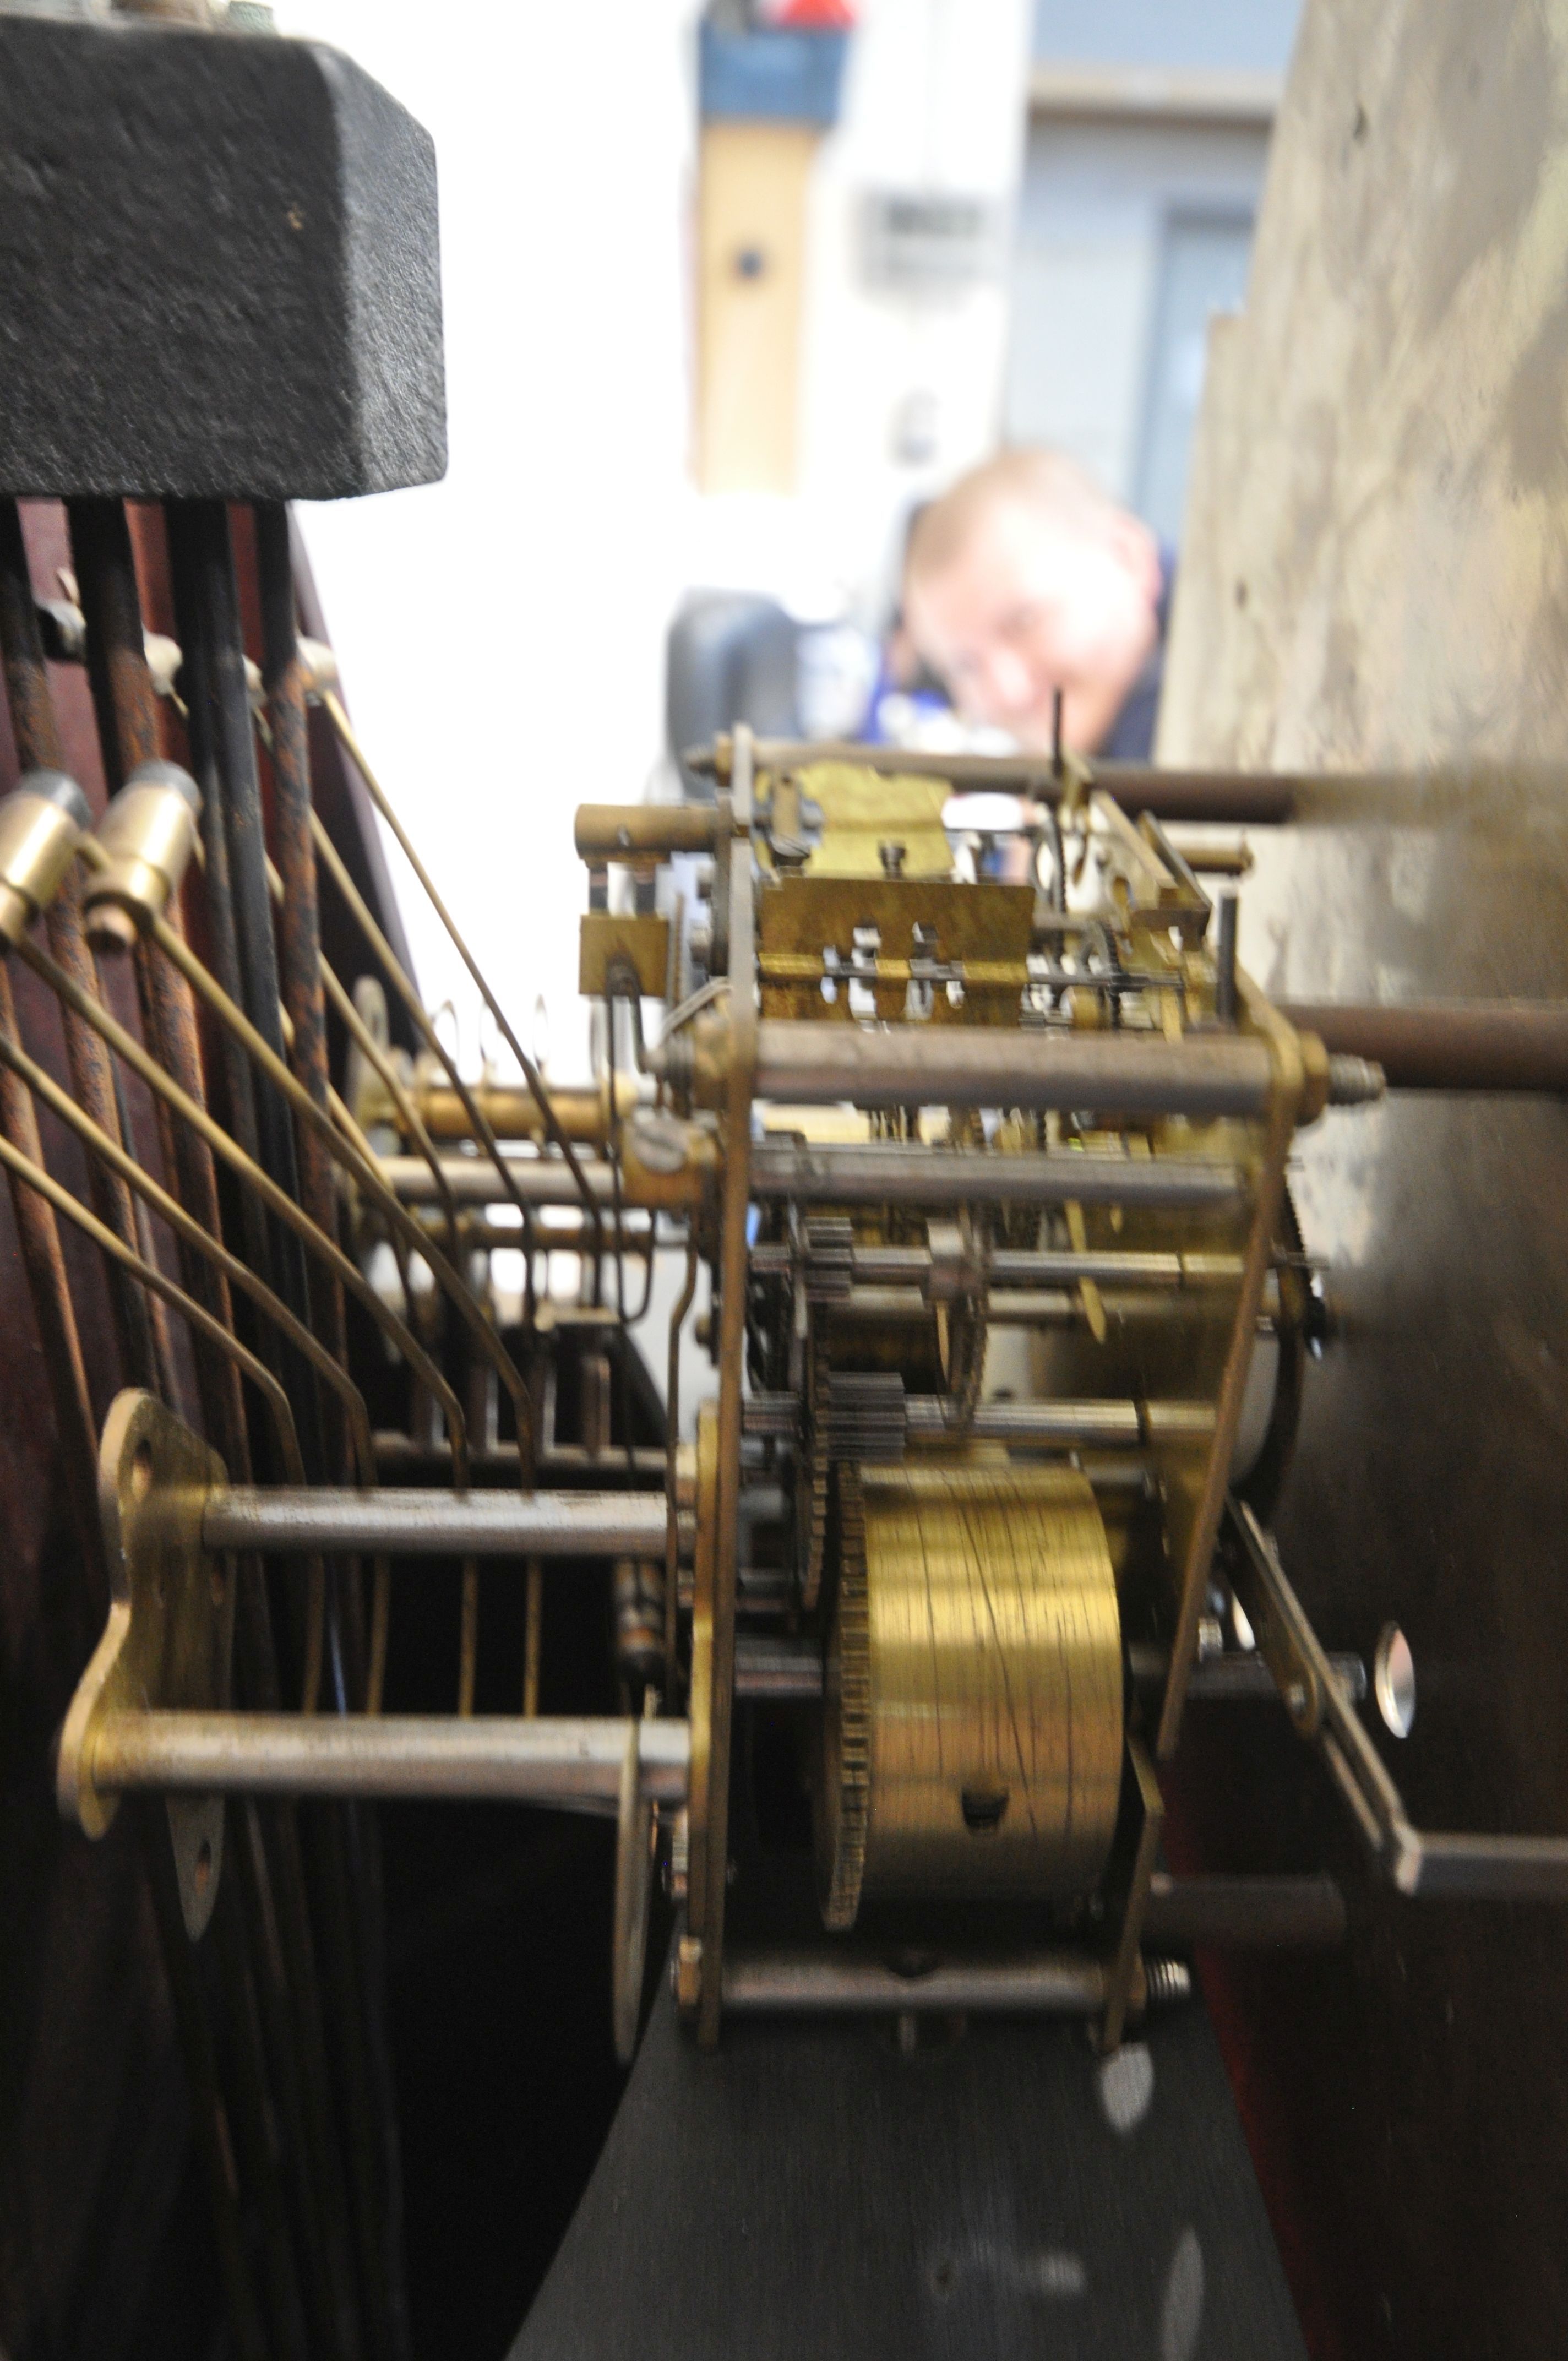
(972, 1725)
(638, 943)
(169, 1638)
(981, 932)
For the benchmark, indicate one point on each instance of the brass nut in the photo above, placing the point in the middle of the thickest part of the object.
(1314, 1076)
(667, 1161)
(694, 1059)
(146, 838)
(42, 821)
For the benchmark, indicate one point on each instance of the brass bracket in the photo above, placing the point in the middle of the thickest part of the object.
(643, 944)
(1161, 897)
(1280, 1635)
(735, 1201)
(700, 1706)
(1287, 1087)
(1126, 1984)
(168, 1641)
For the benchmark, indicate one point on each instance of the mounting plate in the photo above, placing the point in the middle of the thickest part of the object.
(168, 1641)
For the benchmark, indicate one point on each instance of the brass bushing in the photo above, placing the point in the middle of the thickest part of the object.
(42, 821)
(146, 837)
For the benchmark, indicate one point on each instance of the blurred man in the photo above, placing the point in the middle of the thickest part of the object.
(1022, 580)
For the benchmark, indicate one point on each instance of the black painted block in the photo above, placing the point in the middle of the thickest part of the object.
(219, 268)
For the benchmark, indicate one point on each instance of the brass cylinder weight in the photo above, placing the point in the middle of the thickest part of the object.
(971, 1739)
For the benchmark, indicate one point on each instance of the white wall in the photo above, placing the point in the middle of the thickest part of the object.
(1091, 224)
(1251, 35)
(501, 633)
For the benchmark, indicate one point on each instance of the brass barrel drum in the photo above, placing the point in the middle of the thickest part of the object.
(972, 1724)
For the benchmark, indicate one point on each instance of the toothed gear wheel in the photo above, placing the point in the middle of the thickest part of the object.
(843, 1791)
(967, 1336)
(815, 1474)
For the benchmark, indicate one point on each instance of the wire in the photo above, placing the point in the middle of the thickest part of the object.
(530, 1074)
(261, 1378)
(364, 1042)
(402, 984)
(187, 1227)
(362, 1166)
(276, 1199)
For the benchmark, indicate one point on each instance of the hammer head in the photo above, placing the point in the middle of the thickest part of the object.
(219, 268)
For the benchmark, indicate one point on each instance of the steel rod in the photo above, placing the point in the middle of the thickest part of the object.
(408, 1523)
(882, 1173)
(1109, 1423)
(1261, 796)
(1245, 1912)
(540, 1180)
(1235, 1676)
(480, 1232)
(399, 1457)
(894, 1174)
(1027, 1267)
(767, 1666)
(771, 1664)
(573, 1763)
(802, 1983)
(1133, 1074)
(1459, 1866)
(1477, 1044)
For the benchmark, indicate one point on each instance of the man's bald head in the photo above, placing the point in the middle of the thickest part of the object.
(1023, 579)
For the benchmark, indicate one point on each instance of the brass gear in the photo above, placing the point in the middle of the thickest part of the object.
(843, 1787)
(972, 1733)
(816, 1472)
